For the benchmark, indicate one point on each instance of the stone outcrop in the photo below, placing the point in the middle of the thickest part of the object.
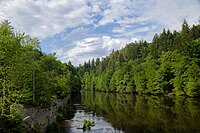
(36, 120)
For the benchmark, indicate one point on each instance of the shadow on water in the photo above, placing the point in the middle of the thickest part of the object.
(133, 113)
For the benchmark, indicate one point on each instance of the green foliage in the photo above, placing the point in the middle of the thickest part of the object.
(140, 79)
(169, 64)
(192, 85)
(28, 76)
(150, 67)
(53, 128)
(60, 114)
(11, 118)
(87, 124)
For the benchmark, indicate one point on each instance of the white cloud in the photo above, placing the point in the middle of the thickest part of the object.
(91, 47)
(149, 16)
(117, 9)
(44, 18)
(76, 34)
(171, 13)
(80, 23)
(96, 8)
(142, 32)
(47, 17)
(136, 20)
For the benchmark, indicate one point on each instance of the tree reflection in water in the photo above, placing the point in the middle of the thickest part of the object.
(136, 113)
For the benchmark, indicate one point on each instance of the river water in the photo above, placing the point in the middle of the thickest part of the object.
(132, 113)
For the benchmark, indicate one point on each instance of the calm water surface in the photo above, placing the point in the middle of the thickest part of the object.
(132, 113)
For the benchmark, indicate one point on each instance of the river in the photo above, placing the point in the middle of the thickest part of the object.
(132, 113)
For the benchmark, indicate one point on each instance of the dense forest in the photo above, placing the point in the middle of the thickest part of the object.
(29, 77)
(169, 65)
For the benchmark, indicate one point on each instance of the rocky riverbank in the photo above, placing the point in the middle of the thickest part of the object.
(36, 119)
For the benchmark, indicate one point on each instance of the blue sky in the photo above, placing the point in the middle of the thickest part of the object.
(79, 30)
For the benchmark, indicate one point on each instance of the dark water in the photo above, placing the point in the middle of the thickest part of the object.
(133, 113)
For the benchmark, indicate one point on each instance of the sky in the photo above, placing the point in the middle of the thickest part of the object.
(79, 30)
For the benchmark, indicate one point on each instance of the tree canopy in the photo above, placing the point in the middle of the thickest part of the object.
(169, 64)
(29, 77)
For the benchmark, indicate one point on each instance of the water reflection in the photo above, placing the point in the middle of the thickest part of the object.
(128, 113)
(75, 125)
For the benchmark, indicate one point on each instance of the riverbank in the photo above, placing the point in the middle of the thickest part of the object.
(37, 119)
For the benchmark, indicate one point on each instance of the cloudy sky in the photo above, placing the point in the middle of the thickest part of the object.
(78, 30)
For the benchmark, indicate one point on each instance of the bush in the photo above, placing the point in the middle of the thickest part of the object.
(53, 128)
(61, 113)
(11, 119)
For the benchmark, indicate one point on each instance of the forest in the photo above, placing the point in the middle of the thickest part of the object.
(29, 77)
(169, 65)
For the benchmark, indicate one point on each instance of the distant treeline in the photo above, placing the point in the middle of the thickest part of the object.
(169, 64)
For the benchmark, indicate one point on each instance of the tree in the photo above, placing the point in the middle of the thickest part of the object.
(192, 87)
(160, 67)
(9, 48)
